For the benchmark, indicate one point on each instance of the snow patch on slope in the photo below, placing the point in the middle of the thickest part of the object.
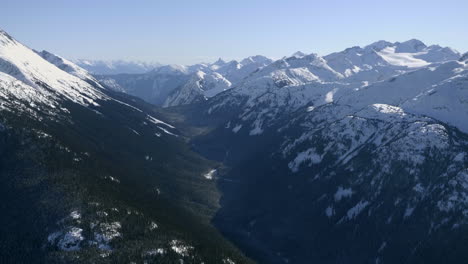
(309, 156)
(401, 59)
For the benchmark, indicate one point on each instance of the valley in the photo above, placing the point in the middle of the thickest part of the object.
(359, 156)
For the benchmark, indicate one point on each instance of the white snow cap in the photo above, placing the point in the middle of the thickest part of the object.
(27, 66)
(68, 66)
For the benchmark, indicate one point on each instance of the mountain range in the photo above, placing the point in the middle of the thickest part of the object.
(359, 156)
(115, 66)
(90, 175)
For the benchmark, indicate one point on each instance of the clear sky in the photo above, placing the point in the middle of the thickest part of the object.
(189, 31)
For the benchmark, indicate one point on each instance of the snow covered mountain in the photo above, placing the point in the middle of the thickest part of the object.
(353, 67)
(90, 175)
(38, 83)
(404, 173)
(45, 86)
(235, 71)
(357, 156)
(101, 67)
(381, 60)
(360, 156)
(439, 92)
(446, 101)
(68, 66)
(293, 82)
(200, 87)
(172, 85)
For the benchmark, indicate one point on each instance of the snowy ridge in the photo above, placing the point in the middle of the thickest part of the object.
(199, 87)
(311, 65)
(382, 60)
(379, 163)
(390, 134)
(235, 71)
(396, 90)
(438, 92)
(25, 65)
(209, 80)
(415, 54)
(33, 85)
(68, 66)
(380, 73)
(15, 95)
(446, 101)
(279, 88)
(172, 85)
(355, 67)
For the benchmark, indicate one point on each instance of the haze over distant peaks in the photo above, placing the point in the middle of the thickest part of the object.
(115, 66)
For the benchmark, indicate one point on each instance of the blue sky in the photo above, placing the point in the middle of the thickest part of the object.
(189, 31)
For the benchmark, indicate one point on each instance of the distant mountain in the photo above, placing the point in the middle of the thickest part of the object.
(299, 54)
(154, 87)
(355, 67)
(235, 71)
(383, 59)
(115, 67)
(200, 87)
(172, 85)
(293, 82)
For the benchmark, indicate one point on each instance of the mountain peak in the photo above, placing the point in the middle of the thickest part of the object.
(2, 32)
(5, 37)
(50, 82)
(351, 49)
(171, 69)
(255, 59)
(410, 46)
(378, 45)
(219, 62)
(298, 54)
(414, 42)
(313, 56)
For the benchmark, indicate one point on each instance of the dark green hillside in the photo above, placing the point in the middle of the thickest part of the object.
(104, 172)
(277, 215)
